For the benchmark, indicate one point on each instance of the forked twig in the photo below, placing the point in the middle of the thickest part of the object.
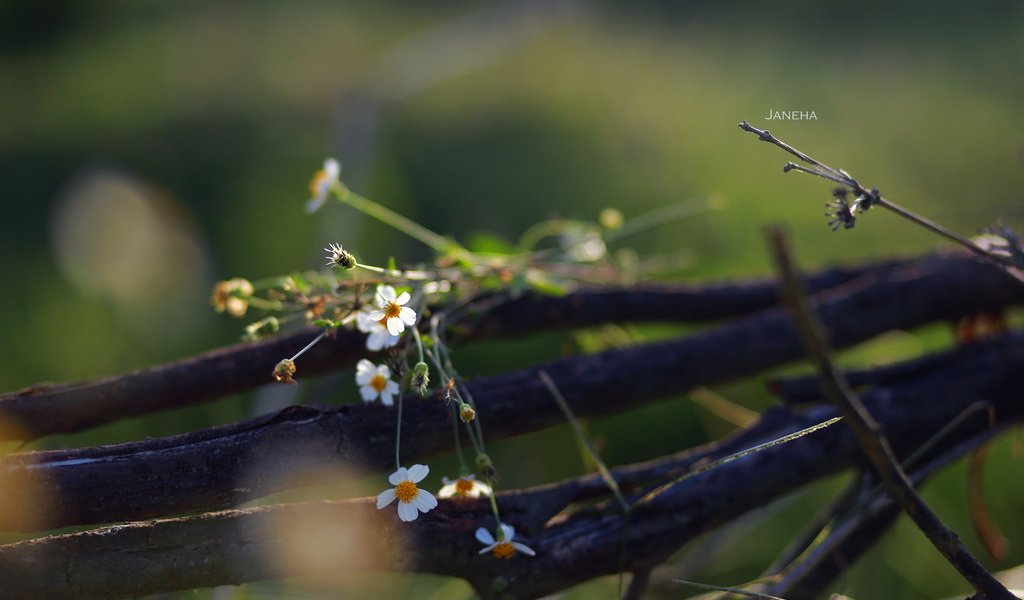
(866, 198)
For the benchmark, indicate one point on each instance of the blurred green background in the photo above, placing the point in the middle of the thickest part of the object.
(148, 149)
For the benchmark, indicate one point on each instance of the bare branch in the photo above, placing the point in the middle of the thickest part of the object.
(47, 409)
(214, 468)
(857, 529)
(870, 435)
(236, 546)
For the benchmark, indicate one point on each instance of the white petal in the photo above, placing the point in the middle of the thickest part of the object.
(385, 295)
(508, 532)
(385, 398)
(364, 323)
(446, 481)
(398, 476)
(368, 393)
(386, 497)
(376, 315)
(407, 512)
(425, 501)
(448, 491)
(403, 298)
(375, 341)
(407, 315)
(418, 472)
(389, 340)
(524, 549)
(484, 537)
(395, 326)
(364, 377)
(332, 167)
(392, 388)
(487, 549)
(314, 204)
(385, 371)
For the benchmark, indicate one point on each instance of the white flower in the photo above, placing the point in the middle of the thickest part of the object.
(503, 547)
(379, 337)
(374, 381)
(393, 312)
(411, 499)
(465, 486)
(321, 184)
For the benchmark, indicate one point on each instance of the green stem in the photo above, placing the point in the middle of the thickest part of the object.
(676, 211)
(398, 434)
(309, 345)
(389, 217)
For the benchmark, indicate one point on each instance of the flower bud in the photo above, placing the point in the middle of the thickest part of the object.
(466, 413)
(420, 381)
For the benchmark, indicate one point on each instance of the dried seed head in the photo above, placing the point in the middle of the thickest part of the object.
(339, 257)
(284, 371)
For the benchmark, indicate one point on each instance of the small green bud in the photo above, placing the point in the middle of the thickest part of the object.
(420, 381)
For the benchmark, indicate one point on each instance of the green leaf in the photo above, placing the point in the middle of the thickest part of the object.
(542, 283)
(301, 285)
(491, 243)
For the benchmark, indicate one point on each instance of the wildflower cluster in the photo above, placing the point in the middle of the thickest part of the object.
(404, 314)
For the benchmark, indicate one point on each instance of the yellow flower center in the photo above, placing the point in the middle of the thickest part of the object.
(406, 491)
(504, 550)
(379, 383)
(314, 184)
(463, 486)
(392, 310)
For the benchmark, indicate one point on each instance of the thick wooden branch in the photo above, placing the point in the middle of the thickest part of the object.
(244, 545)
(874, 442)
(227, 465)
(46, 409)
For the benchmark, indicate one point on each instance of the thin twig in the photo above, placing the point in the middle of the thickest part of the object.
(584, 439)
(872, 197)
(869, 433)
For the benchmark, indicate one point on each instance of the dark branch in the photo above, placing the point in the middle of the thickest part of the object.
(47, 409)
(214, 468)
(237, 546)
(873, 441)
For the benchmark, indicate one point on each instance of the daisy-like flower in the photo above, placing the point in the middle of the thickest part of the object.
(393, 313)
(321, 184)
(374, 381)
(411, 499)
(379, 337)
(503, 547)
(232, 296)
(465, 486)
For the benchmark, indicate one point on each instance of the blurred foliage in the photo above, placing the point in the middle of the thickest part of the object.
(216, 115)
